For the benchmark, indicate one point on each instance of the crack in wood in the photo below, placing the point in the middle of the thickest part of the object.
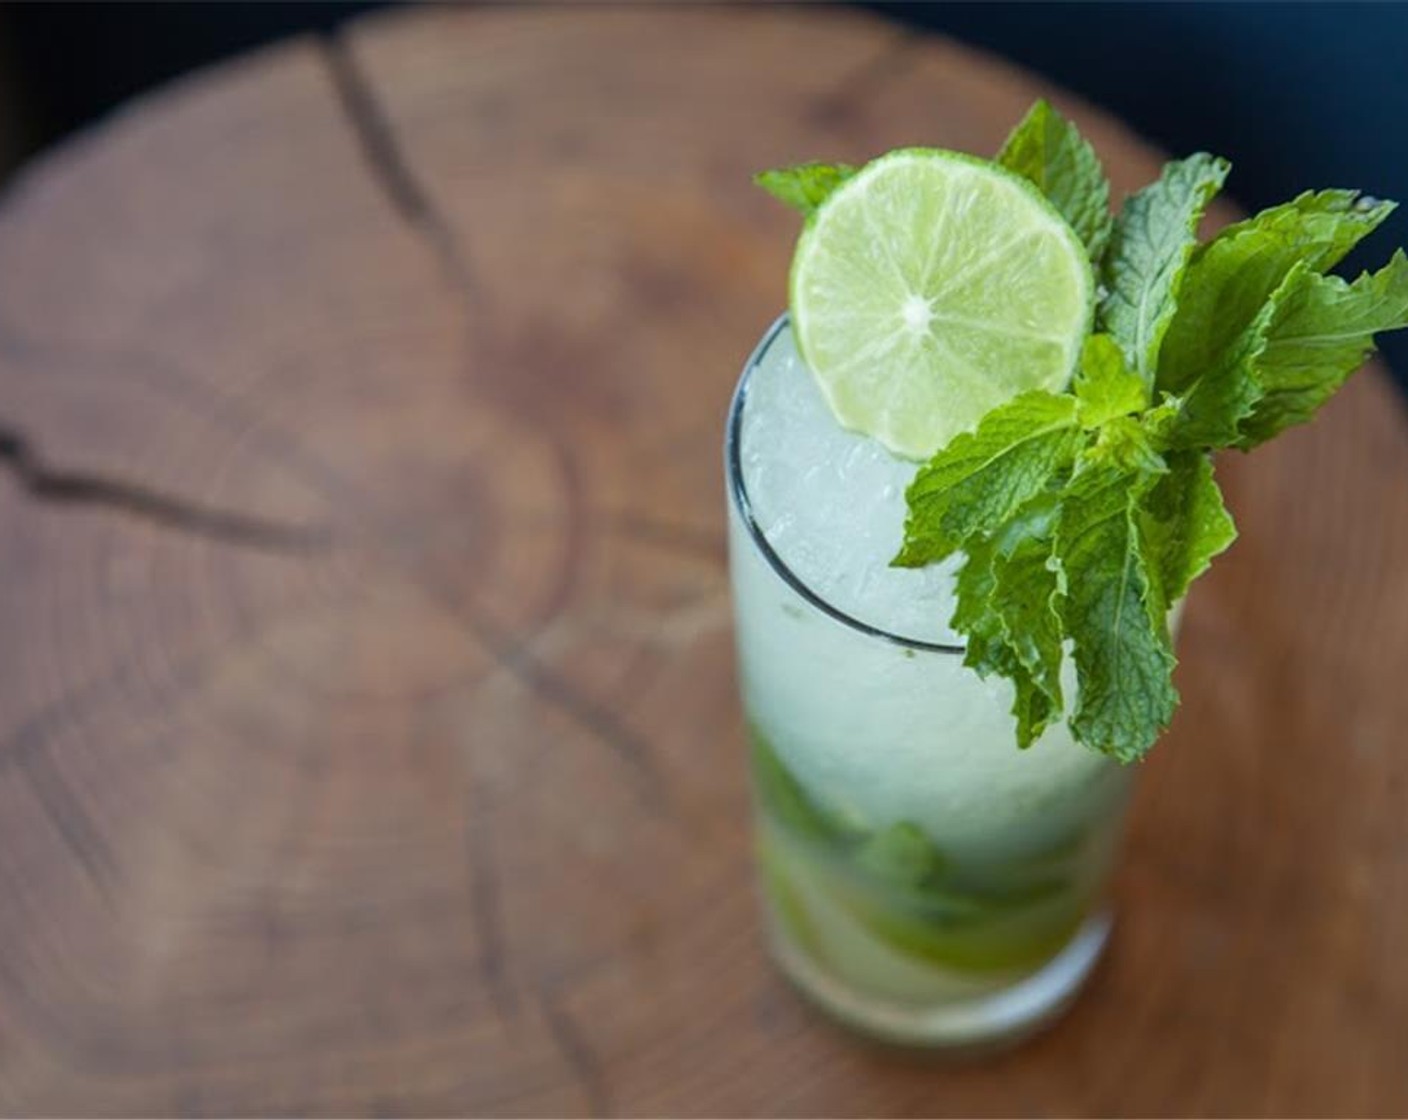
(390, 168)
(80, 701)
(486, 899)
(24, 751)
(218, 406)
(45, 484)
(71, 821)
(486, 912)
(412, 201)
(212, 404)
(514, 656)
(579, 1056)
(34, 732)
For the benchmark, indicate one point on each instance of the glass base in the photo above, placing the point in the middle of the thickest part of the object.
(975, 1024)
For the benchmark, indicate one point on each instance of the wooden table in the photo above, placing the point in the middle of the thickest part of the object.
(368, 740)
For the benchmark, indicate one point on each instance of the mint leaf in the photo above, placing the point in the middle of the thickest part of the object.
(805, 186)
(783, 797)
(1126, 444)
(1229, 280)
(987, 652)
(1320, 330)
(1032, 707)
(1185, 523)
(1047, 150)
(1161, 421)
(1212, 412)
(1149, 247)
(1006, 594)
(1113, 611)
(1105, 385)
(1025, 594)
(901, 854)
(986, 648)
(980, 478)
(1326, 224)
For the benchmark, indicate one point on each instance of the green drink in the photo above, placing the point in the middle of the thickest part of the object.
(924, 879)
(969, 484)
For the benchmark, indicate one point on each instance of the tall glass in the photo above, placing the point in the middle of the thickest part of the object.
(923, 879)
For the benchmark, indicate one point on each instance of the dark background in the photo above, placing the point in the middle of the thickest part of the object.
(1297, 95)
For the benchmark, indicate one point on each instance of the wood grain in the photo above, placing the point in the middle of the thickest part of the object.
(368, 741)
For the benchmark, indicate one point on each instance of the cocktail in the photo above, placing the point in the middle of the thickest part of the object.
(969, 484)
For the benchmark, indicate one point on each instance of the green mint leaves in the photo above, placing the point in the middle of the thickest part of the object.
(806, 186)
(1319, 331)
(1114, 608)
(1184, 522)
(1151, 242)
(982, 478)
(1085, 515)
(1229, 281)
(1047, 150)
(1006, 605)
(1105, 386)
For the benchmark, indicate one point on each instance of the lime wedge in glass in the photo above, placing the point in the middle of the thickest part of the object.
(931, 287)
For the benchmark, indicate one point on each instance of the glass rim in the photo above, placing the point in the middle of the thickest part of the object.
(738, 495)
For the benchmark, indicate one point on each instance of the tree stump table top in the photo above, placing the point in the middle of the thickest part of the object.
(368, 732)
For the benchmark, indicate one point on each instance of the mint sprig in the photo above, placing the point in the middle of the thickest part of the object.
(1105, 386)
(1321, 329)
(1007, 594)
(1084, 516)
(1152, 240)
(805, 186)
(982, 478)
(1184, 522)
(1229, 280)
(1047, 150)
(1114, 606)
